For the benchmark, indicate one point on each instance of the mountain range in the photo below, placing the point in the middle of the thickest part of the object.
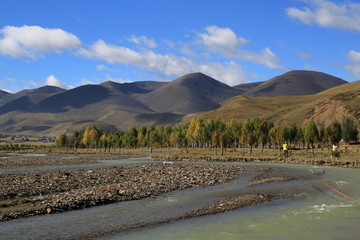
(288, 97)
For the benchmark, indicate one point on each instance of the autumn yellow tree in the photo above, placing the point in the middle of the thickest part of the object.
(104, 141)
(91, 137)
(195, 131)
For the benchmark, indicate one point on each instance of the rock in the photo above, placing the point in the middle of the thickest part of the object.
(112, 190)
(80, 189)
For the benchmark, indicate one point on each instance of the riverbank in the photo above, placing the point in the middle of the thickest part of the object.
(348, 155)
(19, 160)
(325, 162)
(24, 195)
(221, 206)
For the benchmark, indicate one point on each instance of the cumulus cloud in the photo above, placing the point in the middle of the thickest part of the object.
(222, 40)
(34, 41)
(53, 81)
(143, 40)
(215, 40)
(226, 42)
(354, 66)
(324, 13)
(163, 64)
(110, 53)
(266, 57)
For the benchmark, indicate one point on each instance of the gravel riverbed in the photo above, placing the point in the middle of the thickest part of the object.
(30, 194)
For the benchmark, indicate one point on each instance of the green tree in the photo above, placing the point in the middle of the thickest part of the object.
(130, 138)
(275, 136)
(262, 128)
(249, 135)
(104, 141)
(233, 132)
(311, 134)
(61, 141)
(141, 136)
(349, 131)
(333, 133)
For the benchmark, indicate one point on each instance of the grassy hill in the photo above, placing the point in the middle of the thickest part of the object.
(325, 107)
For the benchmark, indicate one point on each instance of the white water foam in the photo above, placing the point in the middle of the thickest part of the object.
(328, 208)
(341, 183)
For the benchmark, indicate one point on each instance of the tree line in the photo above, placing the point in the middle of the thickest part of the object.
(199, 133)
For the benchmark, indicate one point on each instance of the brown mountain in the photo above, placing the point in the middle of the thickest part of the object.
(191, 93)
(35, 95)
(110, 105)
(3, 94)
(246, 87)
(26, 99)
(297, 82)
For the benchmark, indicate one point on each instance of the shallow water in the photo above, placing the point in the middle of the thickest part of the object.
(318, 213)
(321, 214)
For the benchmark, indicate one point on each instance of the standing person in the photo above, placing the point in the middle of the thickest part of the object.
(334, 146)
(285, 148)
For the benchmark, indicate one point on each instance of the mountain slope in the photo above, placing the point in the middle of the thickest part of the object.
(3, 94)
(115, 106)
(297, 82)
(324, 108)
(246, 87)
(191, 93)
(34, 95)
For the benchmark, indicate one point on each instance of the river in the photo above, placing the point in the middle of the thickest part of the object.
(326, 208)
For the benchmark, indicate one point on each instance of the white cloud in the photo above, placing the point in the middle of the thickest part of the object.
(170, 65)
(118, 80)
(354, 55)
(33, 41)
(226, 42)
(85, 81)
(230, 73)
(222, 40)
(53, 81)
(304, 55)
(111, 53)
(354, 66)
(143, 40)
(102, 67)
(324, 13)
(266, 57)
(309, 67)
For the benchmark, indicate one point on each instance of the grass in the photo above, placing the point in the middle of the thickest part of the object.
(285, 109)
(347, 153)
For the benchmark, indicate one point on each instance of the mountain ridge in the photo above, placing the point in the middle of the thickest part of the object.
(110, 105)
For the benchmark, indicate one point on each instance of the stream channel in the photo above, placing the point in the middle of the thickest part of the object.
(326, 207)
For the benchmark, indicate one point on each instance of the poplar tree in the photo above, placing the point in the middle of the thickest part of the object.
(311, 134)
(349, 131)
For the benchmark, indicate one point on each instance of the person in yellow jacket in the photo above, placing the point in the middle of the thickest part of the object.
(285, 148)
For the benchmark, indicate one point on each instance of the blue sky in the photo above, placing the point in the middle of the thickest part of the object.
(68, 43)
